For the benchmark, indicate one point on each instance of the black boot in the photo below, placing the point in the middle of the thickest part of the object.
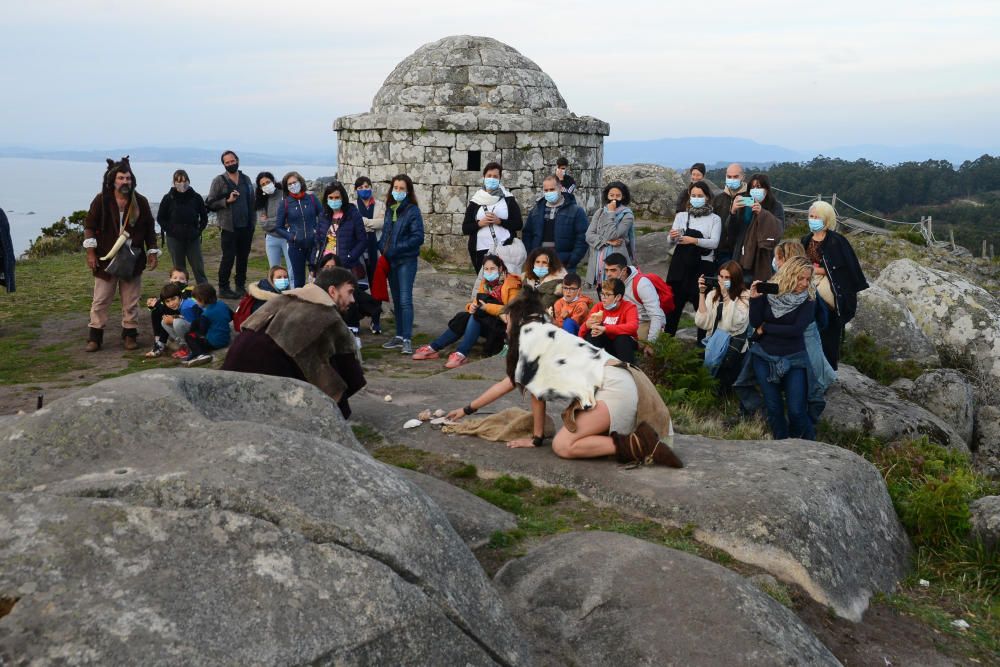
(226, 293)
(95, 338)
(129, 337)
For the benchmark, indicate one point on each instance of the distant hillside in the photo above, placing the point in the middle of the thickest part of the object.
(183, 155)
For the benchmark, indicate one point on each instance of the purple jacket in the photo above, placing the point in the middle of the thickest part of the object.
(351, 237)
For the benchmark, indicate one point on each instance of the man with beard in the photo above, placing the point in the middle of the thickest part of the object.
(231, 196)
(120, 241)
(301, 334)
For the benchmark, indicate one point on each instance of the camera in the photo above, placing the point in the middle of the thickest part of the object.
(748, 201)
(711, 282)
(767, 288)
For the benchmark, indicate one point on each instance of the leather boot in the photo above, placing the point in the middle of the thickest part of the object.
(95, 339)
(644, 446)
(129, 337)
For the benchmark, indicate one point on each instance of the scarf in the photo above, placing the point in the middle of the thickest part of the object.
(395, 210)
(700, 212)
(743, 188)
(782, 304)
(488, 197)
(300, 195)
(493, 288)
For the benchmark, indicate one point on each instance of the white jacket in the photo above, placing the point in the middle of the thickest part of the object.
(735, 314)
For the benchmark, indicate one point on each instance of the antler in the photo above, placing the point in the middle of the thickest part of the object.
(117, 246)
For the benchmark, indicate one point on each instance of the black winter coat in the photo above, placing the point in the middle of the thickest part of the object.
(182, 216)
(844, 270)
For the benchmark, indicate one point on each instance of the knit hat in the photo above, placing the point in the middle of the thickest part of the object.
(700, 166)
(114, 168)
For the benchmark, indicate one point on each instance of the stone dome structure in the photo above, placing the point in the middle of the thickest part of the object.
(455, 105)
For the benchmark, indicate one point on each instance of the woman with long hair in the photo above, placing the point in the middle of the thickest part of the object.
(298, 214)
(341, 231)
(695, 235)
(402, 237)
(267, 199)
(610, 230)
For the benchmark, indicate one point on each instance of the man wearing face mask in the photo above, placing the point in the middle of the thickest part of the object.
(231, 196)
(557, 221)
(183, 217)
(301, 334)
(119, 223)
(724, 206)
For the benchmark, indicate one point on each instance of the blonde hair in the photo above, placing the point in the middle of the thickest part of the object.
(788, 249)
(787, 276)
(826, 212)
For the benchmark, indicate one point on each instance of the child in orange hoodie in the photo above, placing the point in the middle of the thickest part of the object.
(571, 310)
(613, 324)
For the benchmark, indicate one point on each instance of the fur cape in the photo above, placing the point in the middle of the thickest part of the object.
(553, 364)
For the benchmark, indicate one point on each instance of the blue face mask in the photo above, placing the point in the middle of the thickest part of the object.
(697, 202)
(541, 271)
(774, 264)
(365, 194)
(758, 194)
(816, 224)
(734, 183)
(611, 306)
(335, 204)
(491, 183)
(490, 276)
(551, 197)
(281, 284)
(398, 196)
(727, 283)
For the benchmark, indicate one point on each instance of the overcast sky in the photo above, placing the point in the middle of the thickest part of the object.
(806, 75)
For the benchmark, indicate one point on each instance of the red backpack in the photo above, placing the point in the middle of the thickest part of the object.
(243, 311)
(663, 291)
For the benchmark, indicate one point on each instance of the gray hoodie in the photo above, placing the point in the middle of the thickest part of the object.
(648, 302)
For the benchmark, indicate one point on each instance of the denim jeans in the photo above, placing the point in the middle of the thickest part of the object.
(402, 273)
(184, 252)
(793, 385)
(276, 249)
(472, 331)
(299, 254)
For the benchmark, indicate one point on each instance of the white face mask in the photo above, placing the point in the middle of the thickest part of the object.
(268, 189)
(295, 188)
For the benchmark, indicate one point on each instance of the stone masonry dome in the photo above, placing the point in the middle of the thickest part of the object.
(467, 74)
(452, 107)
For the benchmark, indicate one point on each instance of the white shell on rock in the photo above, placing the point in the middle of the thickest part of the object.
(424, 416)
(441, 420)
(439, 413)
(412, 423)
(388, 398)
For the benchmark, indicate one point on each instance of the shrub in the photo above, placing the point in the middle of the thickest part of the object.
(63, 236)
(677, 370)
(862, 352)
(914, 237)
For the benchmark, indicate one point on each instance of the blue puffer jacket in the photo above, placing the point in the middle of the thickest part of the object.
(297, 218)
(570, 231)
(351, 236)
(402, 239)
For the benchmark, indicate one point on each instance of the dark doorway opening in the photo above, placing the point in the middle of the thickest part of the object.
(475, 160)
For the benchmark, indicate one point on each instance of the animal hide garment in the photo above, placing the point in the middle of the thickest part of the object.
(553, 364)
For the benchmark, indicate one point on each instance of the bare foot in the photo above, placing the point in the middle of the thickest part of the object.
(520, 443)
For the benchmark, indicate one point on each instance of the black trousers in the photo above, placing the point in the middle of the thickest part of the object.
(156, 319)
(830, 338)
(621, 347)
(235, 248)
(685, 292)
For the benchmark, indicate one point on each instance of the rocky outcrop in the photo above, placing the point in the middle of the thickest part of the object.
(215, 517)
(794, 508)
(654, 188)
(883, 317)
(600, 598)
(987, 440)
(946, 393)
(985, 520)
(858, 403)
(474, 519)
(955, 314)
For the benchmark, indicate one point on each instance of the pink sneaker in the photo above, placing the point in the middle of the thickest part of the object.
(425, 352)
(455, 359)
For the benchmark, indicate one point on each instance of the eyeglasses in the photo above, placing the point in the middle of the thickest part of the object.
(606, 295)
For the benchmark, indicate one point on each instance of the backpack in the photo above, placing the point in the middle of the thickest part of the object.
(243, 310)
(663, 291)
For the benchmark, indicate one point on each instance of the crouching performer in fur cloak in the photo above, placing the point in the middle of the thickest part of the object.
(613, 408)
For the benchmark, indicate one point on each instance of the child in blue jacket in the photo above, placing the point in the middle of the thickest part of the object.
(211, 330)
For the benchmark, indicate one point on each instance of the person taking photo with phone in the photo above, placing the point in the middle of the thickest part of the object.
(231, 196)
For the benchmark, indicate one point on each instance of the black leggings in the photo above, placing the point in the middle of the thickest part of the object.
(621, 347)
(830, 337)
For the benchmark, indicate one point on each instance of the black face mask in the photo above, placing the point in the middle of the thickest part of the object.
(233, 168)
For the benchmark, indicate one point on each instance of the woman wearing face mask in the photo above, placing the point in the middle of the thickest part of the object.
(779, 359)
(341, 231)
(726, 308)
(296, 220)
(482, 317)
(277, 281)
(755, 227)
(183, 217)
(402, 236)
(695, 233)
(492, 217)
(543, 273)
(697, 172)
(372, 218)
(610, 231)
(839, 275)
(267, 199)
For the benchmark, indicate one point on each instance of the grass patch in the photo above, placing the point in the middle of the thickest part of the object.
(465, 471)
(469, 376)
(916, 238)
(22, 362)
(366, 435)
(431, 255)
(875, 361)
(795, 232)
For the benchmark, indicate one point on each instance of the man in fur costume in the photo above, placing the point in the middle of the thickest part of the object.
(300, 334)
(613, 409)
(120, 241)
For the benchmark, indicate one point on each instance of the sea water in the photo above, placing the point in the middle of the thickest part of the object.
(36, 193)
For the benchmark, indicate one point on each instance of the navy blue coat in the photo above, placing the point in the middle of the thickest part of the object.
(352, 240)
(297, 218)
(570, 231)
(402, 239)
(6, 253)
(844, 270)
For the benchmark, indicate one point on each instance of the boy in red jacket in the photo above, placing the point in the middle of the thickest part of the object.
(613, 324)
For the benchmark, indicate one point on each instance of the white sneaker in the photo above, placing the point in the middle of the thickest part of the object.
(200, 360)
